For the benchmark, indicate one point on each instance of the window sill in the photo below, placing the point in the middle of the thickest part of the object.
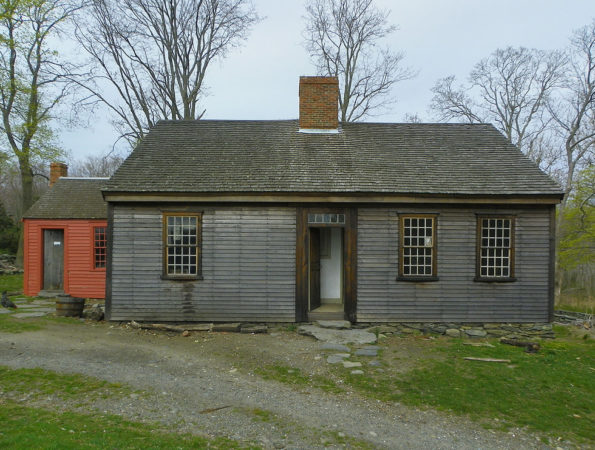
(417, 279)
(182, 278)
(495, 280)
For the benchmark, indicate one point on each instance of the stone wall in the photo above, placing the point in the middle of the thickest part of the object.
(466, 330)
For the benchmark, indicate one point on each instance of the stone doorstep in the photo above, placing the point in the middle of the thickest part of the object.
(344, 337)
(334, 324)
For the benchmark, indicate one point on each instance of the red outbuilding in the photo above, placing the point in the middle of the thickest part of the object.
(65, 238)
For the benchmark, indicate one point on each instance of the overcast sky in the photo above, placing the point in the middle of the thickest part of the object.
(439, 38)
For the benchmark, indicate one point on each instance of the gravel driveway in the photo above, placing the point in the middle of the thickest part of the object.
(203, 384)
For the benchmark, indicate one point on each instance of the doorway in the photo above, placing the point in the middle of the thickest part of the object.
(326, 264)
(326, 270)
(53, 260)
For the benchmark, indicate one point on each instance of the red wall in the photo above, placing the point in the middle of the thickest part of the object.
(81, 279)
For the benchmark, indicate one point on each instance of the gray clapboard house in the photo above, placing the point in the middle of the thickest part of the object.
(295, 220)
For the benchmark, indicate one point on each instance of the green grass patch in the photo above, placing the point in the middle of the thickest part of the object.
(587, 308)
(295, 377)
(11, 325)
(551, 391)
(61, 320)
(11, 283)
(339, 438)
(24, 427)
(576, 303)
(262, 415)
(68, 386)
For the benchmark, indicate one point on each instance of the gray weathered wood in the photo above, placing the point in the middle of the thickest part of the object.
(248, 266)
(53, 259)
(455, 296)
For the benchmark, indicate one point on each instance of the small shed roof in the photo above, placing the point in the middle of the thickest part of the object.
(212, 156)
(71, 198)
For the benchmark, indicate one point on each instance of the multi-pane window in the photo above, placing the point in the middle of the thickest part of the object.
(495, 247)
(99, 247)
(418, 247)
(182, 245)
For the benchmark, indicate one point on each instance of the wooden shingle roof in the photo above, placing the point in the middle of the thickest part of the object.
(71, 198)
(274, 157)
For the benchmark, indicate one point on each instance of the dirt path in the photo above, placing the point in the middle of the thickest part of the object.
(186, 376)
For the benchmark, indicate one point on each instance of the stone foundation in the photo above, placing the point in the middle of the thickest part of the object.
(466, 330)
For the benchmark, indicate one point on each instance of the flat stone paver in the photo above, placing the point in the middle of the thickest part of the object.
(47, 308)
(351, 364)
(358, 337)
(5, 311)
(366, 352)
(335, 347)
(29, 314)
(337, 358)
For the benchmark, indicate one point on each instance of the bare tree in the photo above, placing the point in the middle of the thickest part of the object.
(573, 112)
(96, 166)
(151, 56)
(573, 109)
(343, 38)
(510, 89)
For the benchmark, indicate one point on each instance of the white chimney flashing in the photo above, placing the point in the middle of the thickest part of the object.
(84, 178)
(319, 130)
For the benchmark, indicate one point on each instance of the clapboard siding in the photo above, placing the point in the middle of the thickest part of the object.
(81, 278)
(455, 296)
(248, 266)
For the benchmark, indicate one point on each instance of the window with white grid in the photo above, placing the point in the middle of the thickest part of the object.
(495, 247)
(182, 245)
(99, 247)
(418, 246)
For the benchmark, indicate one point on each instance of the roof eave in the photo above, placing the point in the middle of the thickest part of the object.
(332, 197)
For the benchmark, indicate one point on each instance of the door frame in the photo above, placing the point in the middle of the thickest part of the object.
(349, 279)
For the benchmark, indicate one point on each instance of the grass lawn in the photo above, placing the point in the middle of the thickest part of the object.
(551, 392)
(26, 427)
(576, 303)
(11, 283)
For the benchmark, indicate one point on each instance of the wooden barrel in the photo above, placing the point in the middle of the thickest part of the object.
(68, 306)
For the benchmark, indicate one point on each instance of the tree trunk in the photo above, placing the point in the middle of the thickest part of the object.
(26, 184)
(26, 203)
(19, 262)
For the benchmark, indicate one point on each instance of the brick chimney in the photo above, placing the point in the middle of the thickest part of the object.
(57, 170)
(319, 104)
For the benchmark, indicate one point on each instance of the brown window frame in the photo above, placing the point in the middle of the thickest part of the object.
(402, 276)
(511, 248)
(99, 256)
(197, 247)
